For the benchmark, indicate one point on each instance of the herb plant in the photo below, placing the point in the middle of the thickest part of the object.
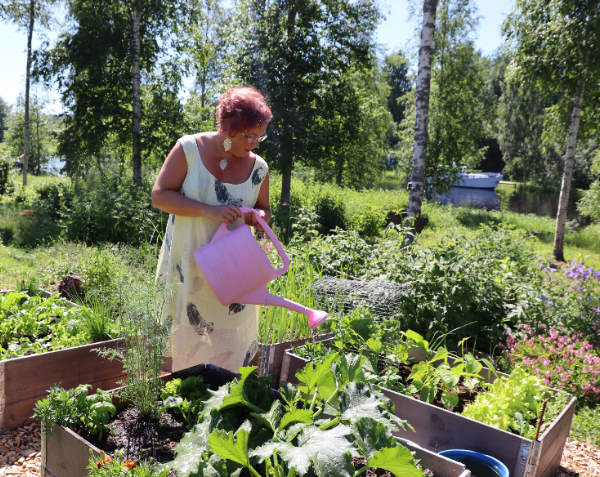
(76, 409)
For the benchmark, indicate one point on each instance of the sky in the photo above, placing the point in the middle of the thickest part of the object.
(396, 31)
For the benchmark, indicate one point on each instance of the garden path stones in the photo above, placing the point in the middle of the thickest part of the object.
(20, 451)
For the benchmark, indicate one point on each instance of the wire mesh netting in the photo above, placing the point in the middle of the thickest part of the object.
(337, 295)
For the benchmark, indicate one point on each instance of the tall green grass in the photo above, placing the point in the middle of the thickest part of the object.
(280, 324)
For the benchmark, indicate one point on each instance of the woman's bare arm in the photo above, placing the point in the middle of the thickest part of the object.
(166, 193)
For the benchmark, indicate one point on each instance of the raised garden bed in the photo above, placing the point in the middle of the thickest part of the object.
(438, 429)
(66, 453)
(25, 380)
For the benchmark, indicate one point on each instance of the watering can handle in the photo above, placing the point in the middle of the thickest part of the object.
(272, 237)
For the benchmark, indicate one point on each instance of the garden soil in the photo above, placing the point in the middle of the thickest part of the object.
(20, 455)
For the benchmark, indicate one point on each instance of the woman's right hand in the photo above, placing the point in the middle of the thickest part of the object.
(225, 213)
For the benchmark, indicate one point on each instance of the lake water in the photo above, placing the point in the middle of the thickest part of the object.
(512, 199)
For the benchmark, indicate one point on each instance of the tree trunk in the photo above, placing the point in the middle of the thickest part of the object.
(417, 183)
(27, 131)
(287, 140)
(136, 102)
(287, 161)
(565, 186)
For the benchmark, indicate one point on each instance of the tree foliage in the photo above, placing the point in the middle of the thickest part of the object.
(456, 127)
(396, 69)
(555, 45)
(92, 64)
(44, 128)
(294, 50)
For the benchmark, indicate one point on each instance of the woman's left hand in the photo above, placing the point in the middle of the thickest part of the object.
(250, 219)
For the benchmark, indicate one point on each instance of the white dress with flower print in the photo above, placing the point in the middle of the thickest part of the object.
(203, 331)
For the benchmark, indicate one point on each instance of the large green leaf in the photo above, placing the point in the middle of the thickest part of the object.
(370, 435)
(189, 451)
(359, 400)
(325, 449)
(226, 446)
(298, 415)
(237, 395)
(349, 367)
(318, 376)
(398, 460)
(272, 418)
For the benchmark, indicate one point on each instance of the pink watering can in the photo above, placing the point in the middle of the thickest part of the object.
(237, 270)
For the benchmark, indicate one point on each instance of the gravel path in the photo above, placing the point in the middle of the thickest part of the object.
(20, 451)
(20, 454)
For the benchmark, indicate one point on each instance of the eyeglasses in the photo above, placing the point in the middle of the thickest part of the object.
(254, 138)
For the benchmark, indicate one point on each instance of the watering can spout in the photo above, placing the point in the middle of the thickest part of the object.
(315, 317)
(262, 297)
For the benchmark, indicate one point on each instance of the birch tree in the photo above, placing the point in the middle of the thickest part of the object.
(24, 13)
(556, 44)
(417, 183)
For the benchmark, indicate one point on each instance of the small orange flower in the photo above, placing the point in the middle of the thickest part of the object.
(129, 464)
(104, 461)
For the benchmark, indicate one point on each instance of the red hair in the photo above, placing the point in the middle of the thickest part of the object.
(240, 108)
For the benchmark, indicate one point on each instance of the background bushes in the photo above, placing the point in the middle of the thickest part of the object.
(95, 210)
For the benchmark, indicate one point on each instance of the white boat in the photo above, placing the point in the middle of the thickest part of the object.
(479, 180)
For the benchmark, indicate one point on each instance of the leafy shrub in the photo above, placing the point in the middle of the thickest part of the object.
(5, 184)
(112, 210)
(342, 253)
(331, 213)
(369, 221)
(561, 360)
(93, 211)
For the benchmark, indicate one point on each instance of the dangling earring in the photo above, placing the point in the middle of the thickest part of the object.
(227, 144)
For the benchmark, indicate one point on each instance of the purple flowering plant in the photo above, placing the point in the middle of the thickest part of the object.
(563, 360)
(572, 297)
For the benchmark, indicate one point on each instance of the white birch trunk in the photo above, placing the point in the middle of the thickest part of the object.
(416, 186)
(136, 100)
(27, 128)
(565, 187)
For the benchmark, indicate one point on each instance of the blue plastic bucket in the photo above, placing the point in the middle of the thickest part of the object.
(480, 465)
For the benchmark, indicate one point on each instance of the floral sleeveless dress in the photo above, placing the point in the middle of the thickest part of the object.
(202, 330)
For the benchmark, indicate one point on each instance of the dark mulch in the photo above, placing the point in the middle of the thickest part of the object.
(143, 438)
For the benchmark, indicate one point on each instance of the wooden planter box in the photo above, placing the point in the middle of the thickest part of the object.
(438, 429)
(25, 380)
(270, 356)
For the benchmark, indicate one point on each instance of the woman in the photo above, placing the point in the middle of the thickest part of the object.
(203, 181)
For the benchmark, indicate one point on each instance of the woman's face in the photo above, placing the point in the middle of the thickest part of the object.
(245, 141)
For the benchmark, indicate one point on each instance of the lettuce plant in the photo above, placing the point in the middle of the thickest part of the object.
(513, 403)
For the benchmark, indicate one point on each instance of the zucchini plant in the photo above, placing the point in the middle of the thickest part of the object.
(315, 429)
